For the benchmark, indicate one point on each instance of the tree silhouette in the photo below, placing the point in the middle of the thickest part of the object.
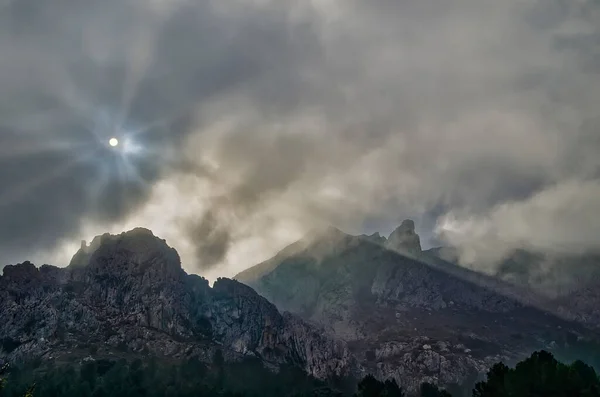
(541, 375)
(369, 386)
(431, 390)
(3, 370)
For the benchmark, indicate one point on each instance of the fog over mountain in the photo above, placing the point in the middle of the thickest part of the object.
(243, 124)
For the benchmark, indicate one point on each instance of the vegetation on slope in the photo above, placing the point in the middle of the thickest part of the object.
(540, 375)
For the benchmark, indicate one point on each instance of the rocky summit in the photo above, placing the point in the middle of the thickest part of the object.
(128, 294)
(406, 313)
(405, 239)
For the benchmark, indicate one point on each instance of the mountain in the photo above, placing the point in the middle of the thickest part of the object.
(406, 313)
(569, 282)
(404, 238)
(352, 304)
(127, 295)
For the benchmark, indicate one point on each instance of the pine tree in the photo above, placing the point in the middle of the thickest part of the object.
(3, 370)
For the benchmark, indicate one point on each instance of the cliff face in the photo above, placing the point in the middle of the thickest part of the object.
(406, 313)
(130, 294)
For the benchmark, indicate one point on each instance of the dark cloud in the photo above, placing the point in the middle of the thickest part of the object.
(212, 240)
(74, 73)
(262, 118)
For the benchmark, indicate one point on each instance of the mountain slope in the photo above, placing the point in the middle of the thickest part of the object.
(406, 313)
(133, 297)
(569, 282)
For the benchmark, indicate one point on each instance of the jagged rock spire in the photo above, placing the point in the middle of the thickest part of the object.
(404, 238)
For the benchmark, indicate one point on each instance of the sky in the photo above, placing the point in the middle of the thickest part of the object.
(245, 123)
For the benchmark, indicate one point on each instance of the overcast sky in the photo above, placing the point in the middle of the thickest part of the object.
(244, 123)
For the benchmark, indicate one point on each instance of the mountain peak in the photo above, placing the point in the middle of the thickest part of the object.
(83, 255)
(404, 238)
(407, 225)
(130, 253)
(132, 299)
(326, 231)
(25, 271)
(375, 238)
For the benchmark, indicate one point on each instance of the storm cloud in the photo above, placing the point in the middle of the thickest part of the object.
(254, 121)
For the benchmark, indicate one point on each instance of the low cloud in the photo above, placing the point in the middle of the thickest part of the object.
(258, 120)
(560, 220)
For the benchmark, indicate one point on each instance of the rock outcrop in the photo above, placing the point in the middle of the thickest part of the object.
(375, 238)
(405, 239)
(132, 295)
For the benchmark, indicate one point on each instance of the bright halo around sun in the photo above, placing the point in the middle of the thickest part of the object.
(114, 142)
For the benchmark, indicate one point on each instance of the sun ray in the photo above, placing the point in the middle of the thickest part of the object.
(94, 189)
(10, 196)
(130, 173)
(141, 58)
(31, 147)
(32, 122)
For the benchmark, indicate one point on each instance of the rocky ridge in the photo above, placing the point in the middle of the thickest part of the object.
(565, 284)
(129, 294)
(406, 313)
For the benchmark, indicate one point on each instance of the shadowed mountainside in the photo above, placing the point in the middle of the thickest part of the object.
(405, 313)
(129, 295)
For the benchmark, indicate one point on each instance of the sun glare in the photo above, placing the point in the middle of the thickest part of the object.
(113, 142)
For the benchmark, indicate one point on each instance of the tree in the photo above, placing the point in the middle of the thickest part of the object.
(371, 387)
(29, 392)
(391, 389)
(431, 390)
(495, 384)
(540, 375)
(3, 370)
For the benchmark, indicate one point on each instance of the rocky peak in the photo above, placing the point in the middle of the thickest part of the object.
(375, 238)
(327, 241)
(82, 257)
(22, 272)
(132, 297)
(327, 232)
(231, 287)
(26, 276)
(128, 253)
(404, 238)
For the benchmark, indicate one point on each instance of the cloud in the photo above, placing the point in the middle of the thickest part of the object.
(558, 220)
(76, 73)
(262, 119)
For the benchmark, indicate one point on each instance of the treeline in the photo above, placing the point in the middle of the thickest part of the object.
(540, 375)
(154, 377)
(573, 347)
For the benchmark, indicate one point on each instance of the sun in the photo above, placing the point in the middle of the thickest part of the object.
(113, 142)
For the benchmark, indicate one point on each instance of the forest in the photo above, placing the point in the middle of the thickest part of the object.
(540, 375)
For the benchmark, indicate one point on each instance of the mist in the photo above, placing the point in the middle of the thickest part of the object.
(255, 121)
